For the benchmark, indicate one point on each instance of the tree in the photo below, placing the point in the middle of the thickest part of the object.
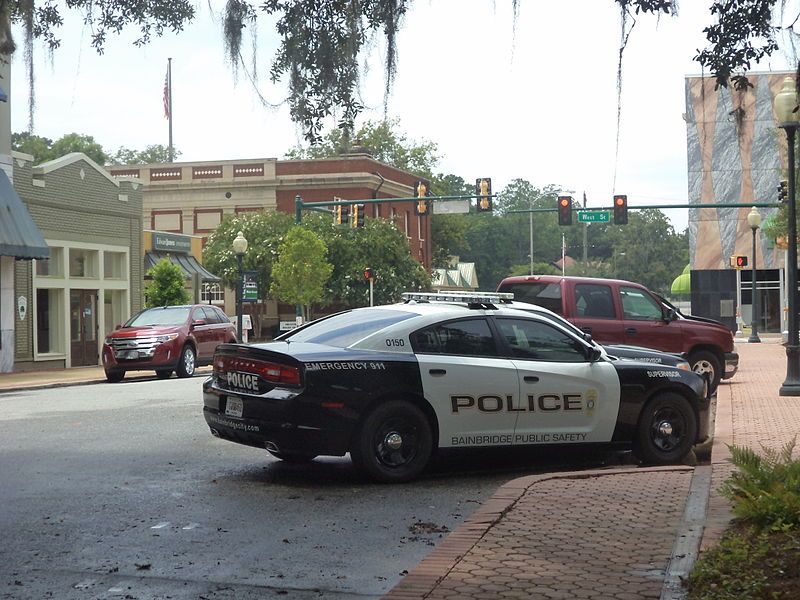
(168, 285)
(383, 140)
(321, 41)
(153, 154)
(378, 245)
(301, 270)
(44, 149)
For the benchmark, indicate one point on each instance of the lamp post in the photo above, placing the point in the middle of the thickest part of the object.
(785, 111)
(754, 220)
(239, 248)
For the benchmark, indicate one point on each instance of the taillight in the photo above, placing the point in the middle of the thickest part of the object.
(270, 371)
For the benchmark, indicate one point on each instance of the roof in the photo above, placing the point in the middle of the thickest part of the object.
(186, 262)
(462, 276)
(19, 235)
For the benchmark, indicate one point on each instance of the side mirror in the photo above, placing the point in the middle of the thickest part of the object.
(670, 314)
(593, 353)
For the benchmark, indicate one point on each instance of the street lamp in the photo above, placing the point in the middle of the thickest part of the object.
(239, 248)
(754, 220)
(787, 115)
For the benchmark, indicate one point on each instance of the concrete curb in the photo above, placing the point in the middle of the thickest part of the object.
(132, 377)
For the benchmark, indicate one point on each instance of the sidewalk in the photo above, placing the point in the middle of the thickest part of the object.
(614, 533)
(10, 382)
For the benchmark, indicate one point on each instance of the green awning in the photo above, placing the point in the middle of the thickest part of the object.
(19, 235)
(188, 264)
(682, 285)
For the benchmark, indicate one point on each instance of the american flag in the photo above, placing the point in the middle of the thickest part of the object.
(166, 96)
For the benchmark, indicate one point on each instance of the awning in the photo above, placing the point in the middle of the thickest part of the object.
(19, 235)
(187, 262)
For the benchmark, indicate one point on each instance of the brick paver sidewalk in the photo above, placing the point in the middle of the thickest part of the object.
(609, 533)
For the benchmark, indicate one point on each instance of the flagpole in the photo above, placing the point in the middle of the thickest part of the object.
(169, 116)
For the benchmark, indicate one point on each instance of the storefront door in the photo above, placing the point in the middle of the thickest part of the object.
(83, 327)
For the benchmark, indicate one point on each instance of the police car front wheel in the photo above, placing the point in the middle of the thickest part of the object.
(667, 429)
(394, 443)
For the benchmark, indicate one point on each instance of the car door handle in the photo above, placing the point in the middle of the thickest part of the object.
(437, 372)
(531, 379)
(630, 330)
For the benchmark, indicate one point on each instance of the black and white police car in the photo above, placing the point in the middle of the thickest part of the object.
(392, 384)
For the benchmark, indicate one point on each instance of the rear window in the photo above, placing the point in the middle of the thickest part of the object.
(539, 293)
(345, 329)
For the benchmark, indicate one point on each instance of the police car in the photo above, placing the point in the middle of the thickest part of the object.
(392, 384)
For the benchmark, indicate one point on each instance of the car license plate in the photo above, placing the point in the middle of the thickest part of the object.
(234, 407)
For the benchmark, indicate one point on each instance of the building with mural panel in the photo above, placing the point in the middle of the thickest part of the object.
(92, 224)
(735, 154)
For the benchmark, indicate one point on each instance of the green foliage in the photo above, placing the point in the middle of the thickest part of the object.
(448, 238)
(264, 232)
(765, 490)
(301, 270)
(748, 563)
(168, 285)
(379, 245)
(383, 140)
(44, 149)
(152, 154)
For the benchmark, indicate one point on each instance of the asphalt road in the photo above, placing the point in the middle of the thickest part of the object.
(120, 491)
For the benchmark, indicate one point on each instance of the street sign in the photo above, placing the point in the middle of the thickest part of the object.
(451, 207)
(250, 287)
(594, 216)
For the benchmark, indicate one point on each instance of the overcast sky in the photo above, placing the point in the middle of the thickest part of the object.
(538, 102)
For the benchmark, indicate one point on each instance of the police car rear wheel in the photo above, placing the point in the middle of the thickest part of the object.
(394, 443)
(667, 430)
(293, 458)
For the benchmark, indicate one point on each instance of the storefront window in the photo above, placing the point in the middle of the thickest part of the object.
(48, 321)
(113, 265)
(51, 267)
(82, 263)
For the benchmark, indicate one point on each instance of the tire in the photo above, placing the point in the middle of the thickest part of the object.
(114, 375)
(163, 373)
(667, 430)
(411, 443)
(187, 363)
(293, 458)
(704, 362)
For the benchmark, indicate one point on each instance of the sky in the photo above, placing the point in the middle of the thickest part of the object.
(534, 99)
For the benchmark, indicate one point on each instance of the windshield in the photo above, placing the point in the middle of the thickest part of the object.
(169, 315)
(346, 328)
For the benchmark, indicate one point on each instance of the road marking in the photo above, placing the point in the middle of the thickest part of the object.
(191, 526)
(161, 525)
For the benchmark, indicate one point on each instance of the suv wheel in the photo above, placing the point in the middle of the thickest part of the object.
(186, 364)
(114, 375)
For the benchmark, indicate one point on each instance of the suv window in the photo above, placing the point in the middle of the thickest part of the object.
(210, 315)
(638, 306)
(223, 318)
(534, 340)
(169, 315)
(594, 300)
(469, 337)
(540, 293)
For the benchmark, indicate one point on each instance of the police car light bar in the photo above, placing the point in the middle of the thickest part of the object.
(468, 297)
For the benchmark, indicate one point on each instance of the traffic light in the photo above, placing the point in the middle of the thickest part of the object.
(340, 213)
(783, 191)
(483, 190)
(738, 262)
(357, 218)
(369, 274)
(620, 210)
(565, 210)
(422, 207)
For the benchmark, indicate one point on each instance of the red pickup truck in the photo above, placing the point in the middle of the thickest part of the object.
(614, 311)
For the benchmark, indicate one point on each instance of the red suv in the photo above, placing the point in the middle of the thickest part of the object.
(167, 338)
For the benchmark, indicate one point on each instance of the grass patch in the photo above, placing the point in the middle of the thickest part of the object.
(759, 556)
